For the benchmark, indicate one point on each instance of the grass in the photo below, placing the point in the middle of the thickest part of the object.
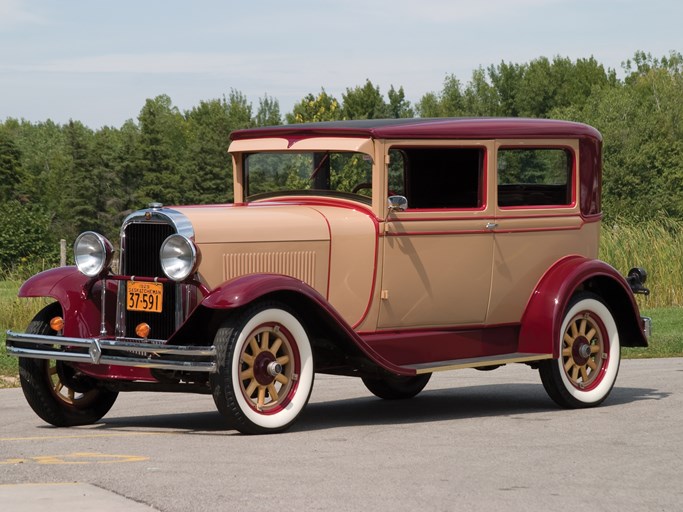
(15, 314)
(656, 246)
(667, 335)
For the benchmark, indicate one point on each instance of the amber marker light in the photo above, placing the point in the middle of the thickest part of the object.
(142, 330)
(57, 323)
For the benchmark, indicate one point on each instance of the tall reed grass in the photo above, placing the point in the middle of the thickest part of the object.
(656, 246)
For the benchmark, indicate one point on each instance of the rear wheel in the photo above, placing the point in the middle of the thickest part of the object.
(395, 387)
(265, 369)
(590, 352)
(57, 392)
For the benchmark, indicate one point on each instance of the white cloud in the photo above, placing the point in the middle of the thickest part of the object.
(176, 62)
(15, 13)
(450, 11)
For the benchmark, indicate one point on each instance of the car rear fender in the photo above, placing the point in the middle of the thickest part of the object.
(542, 319)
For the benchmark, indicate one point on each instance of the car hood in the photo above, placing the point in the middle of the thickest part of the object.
(256, 223)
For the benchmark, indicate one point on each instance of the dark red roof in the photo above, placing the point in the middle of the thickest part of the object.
(428, 128)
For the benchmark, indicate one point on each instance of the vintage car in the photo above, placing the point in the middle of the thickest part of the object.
(381, 249)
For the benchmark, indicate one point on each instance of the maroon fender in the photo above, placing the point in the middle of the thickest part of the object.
(78, 296)
(246, 289)
(543, 316)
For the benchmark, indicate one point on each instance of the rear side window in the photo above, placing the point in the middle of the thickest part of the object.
(534, 177)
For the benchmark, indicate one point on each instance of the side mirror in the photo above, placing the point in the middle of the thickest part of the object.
(397, 203)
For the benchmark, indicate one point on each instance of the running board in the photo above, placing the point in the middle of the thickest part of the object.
(475, 362)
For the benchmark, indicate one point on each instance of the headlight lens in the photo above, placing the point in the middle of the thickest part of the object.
(92, 253)
(178, 257)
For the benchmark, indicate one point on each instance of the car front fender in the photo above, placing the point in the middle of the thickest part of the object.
(77, 294)
(245, 290)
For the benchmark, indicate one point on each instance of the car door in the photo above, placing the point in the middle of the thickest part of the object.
(438, 252)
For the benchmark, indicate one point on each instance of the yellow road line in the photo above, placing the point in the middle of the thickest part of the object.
(79, 458)
(84, 436)
(40, 485)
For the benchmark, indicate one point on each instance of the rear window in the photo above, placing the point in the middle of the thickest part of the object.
(534, 177)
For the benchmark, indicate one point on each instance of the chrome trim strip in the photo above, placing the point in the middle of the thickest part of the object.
(180, 222)
(475, 362)
(149, 355)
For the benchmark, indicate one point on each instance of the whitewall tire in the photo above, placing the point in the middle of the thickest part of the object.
(590, 353)
(265, 369)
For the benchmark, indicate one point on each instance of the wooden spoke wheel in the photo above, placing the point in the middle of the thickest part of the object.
(583, 350)
(269, 368)
(590, 353)
(265, 369)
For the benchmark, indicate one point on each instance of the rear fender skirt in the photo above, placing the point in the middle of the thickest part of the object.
(79, 297)
(244, 290)
(543, 315)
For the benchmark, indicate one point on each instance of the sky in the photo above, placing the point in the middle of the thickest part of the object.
(98, 61)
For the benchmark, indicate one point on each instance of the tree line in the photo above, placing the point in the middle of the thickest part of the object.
(58, 180)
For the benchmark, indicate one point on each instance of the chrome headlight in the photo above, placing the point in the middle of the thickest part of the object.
(178, 257)
(92, 253)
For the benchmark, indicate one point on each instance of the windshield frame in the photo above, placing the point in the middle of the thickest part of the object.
(239, 149)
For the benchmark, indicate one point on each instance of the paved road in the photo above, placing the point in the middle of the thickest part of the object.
(471, 441)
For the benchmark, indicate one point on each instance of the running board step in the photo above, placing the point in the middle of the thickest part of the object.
(474, 362)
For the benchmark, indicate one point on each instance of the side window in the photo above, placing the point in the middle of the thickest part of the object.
(437, 177)
(534, 177)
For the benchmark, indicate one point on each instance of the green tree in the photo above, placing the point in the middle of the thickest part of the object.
(640, 120)
(313, 109)
(209, 167)
(239, 110)
(398, 106)
(506, 79)
(364, 102)
(82, 202)
(26, 236)
(162, 139)
(480, 97)
(448, 103)
(11, 171)
(268, 113)
(128, 171)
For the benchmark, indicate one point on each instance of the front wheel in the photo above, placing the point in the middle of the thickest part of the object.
(57, 392)
(395, 387)
(265, 369)
(590, 352)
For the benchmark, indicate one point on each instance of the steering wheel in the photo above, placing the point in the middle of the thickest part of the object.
(361, 186)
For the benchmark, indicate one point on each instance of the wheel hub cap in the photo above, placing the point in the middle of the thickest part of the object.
(267, 368)
(583, 350)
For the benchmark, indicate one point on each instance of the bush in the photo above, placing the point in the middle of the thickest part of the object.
(26, 239)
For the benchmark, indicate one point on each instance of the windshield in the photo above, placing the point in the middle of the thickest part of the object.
(343, 174)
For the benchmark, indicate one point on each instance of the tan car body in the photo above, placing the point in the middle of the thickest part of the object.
(423, 260)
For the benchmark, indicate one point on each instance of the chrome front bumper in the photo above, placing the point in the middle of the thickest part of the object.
(120, 352)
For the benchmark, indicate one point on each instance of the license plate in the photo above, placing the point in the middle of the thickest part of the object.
(142, 296)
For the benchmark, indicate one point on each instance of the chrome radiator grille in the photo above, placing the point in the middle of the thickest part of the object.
(140, 257)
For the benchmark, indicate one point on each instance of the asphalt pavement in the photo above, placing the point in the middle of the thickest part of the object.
(471, 441)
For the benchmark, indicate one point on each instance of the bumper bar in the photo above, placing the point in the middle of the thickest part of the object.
(115, 352)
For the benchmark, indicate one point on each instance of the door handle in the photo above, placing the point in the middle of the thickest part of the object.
(491, 226)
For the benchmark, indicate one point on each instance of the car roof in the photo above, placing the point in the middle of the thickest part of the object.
(428, 128)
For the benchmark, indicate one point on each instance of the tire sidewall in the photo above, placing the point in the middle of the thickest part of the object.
(599, 391)
(39, 390)
(282, 418)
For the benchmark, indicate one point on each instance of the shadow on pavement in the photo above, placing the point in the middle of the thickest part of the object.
(429, 406)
